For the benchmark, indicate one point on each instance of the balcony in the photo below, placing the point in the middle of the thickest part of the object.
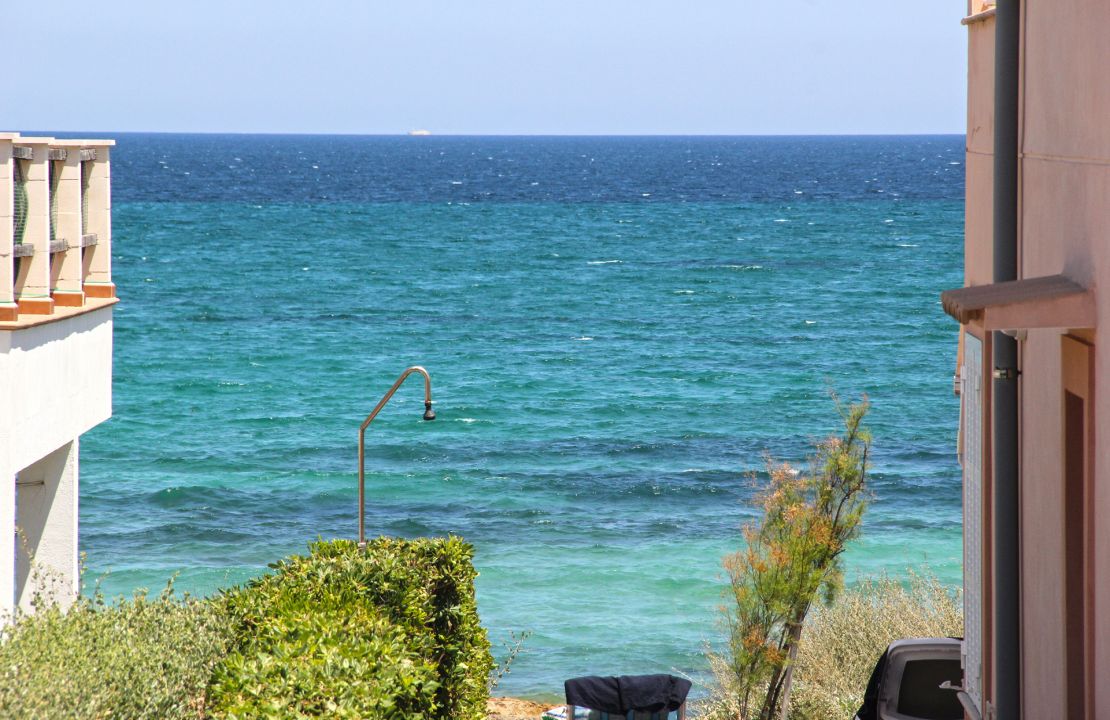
(56, 294)
(55, 229)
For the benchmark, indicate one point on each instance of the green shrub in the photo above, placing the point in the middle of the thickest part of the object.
(140, 658)
(842, 641)
(390, 633)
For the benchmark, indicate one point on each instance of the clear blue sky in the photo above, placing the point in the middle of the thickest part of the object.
(486, 66)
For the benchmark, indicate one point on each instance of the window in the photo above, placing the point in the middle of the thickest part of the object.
(971, 403)
(1076, 364)
(919, 695)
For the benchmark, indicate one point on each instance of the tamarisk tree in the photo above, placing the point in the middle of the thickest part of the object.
(792, 560)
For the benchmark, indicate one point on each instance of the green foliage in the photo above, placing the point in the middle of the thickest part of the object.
(388, 633)
(792, 558)
(139, 658)
(391, 632)
(842, 642)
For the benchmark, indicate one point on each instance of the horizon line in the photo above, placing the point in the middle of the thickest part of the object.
(432, 134)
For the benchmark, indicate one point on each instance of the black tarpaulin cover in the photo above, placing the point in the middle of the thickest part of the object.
(619, 695)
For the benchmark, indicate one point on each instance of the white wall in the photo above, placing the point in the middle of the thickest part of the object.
(55, 384)
(46, 515)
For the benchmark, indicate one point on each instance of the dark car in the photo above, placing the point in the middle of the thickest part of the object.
(916, 679)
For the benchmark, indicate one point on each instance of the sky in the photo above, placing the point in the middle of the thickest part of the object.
(731, 67)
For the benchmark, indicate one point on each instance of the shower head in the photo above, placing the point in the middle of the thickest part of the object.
(429, 414)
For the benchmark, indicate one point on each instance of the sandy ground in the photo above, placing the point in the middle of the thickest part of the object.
(503, 708)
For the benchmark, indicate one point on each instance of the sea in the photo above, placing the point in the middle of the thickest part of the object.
(620, 332)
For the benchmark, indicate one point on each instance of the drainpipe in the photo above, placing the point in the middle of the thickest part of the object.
(1007, 537)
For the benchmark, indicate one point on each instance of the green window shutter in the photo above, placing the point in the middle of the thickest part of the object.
(86, 173)
(20, 204)
(55, 176)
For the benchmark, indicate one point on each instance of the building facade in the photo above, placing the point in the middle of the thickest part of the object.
(56, 298)
(1035, 396)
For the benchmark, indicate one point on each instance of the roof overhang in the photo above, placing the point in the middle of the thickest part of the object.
(1043, 302)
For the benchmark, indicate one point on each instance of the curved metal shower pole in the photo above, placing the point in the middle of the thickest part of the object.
(429, 414)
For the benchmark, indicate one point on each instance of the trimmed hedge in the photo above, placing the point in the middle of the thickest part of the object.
(385, 634)
(390, 633)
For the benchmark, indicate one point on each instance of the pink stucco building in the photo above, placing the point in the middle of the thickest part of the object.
(1034, 371)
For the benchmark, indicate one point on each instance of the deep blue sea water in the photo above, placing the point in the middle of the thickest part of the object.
(617, 329)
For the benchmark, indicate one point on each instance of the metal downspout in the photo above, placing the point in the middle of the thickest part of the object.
(1007, 530)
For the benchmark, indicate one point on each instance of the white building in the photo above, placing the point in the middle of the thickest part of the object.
(56, 298)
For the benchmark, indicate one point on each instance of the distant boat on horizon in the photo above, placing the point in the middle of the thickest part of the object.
(420, 132)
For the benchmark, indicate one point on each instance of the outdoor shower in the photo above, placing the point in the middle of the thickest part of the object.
(429, 414)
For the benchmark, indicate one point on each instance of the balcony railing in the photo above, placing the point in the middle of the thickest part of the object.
(55, 225)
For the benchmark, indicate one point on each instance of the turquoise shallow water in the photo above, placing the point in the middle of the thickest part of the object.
(610, 360)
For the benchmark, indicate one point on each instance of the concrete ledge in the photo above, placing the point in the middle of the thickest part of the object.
(77, 142)
(1041, 302)
(61, 313)
(978, 17)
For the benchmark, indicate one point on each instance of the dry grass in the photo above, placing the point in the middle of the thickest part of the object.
(841, 643)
